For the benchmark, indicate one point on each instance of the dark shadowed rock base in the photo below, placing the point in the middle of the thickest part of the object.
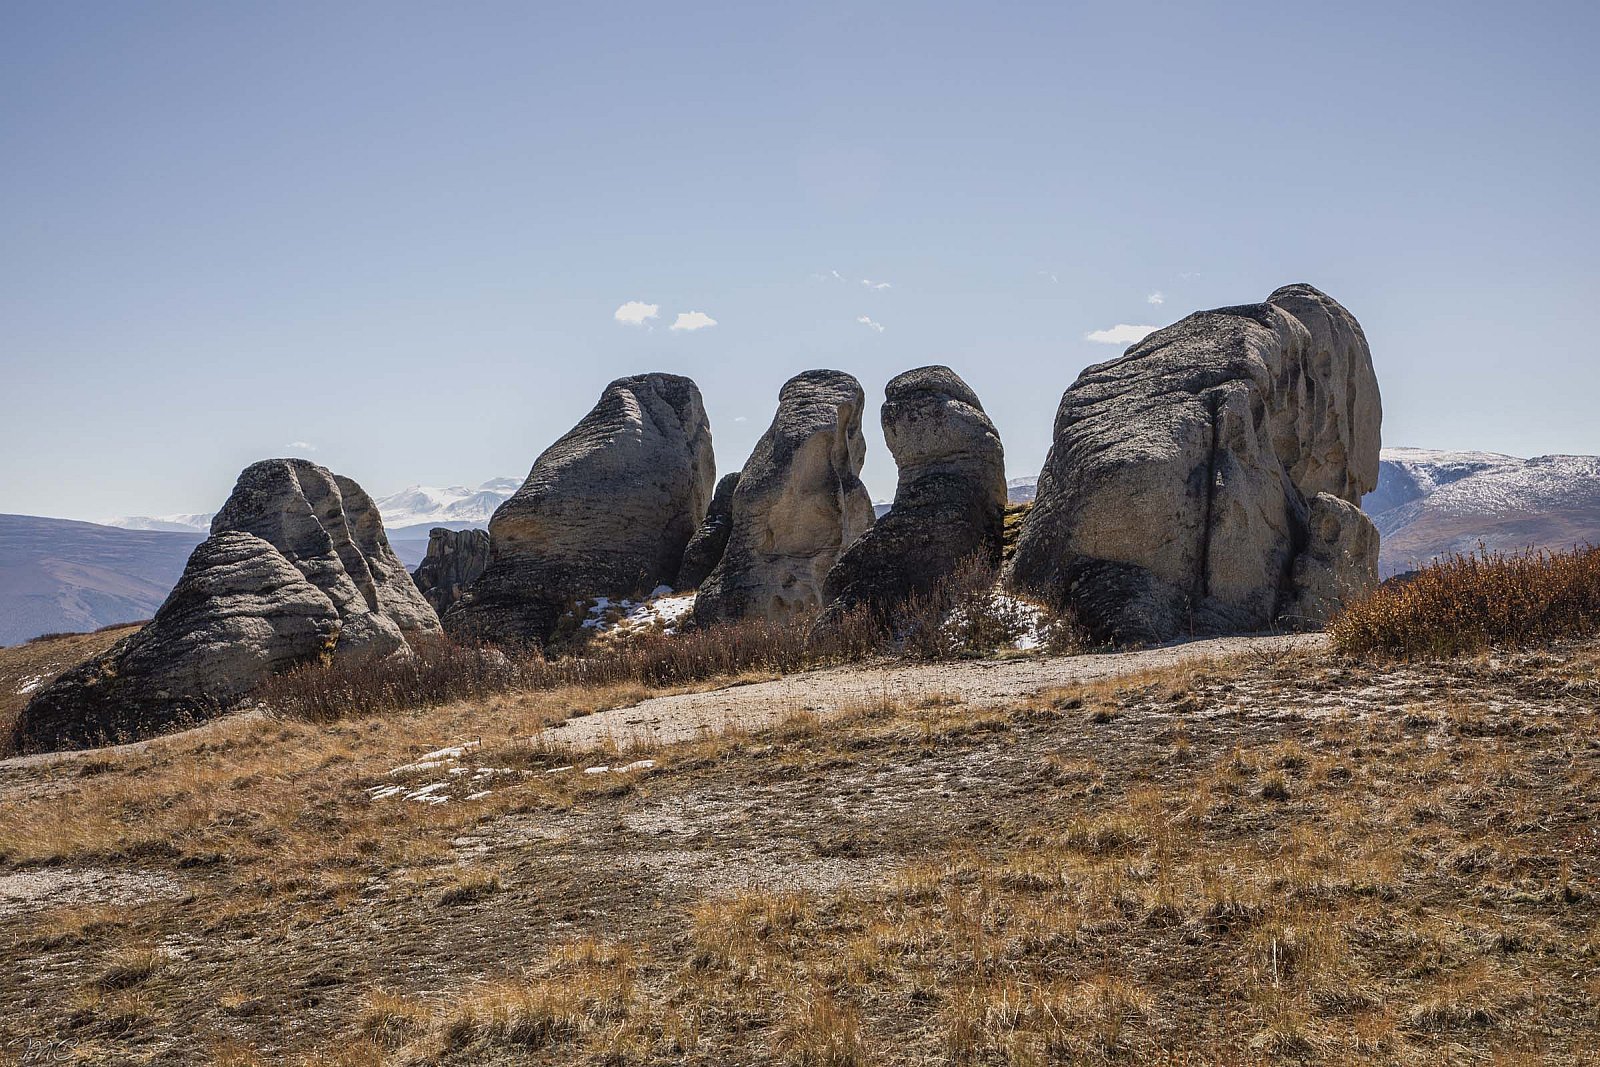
(949, 502)
(705, 548)
(454, 561)
(606, 511)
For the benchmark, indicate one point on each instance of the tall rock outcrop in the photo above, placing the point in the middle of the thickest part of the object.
(798, 505)
(606, 511)
(297, 568)
(949, 504)
(705, 548)
(455, 559)
(1196, 484)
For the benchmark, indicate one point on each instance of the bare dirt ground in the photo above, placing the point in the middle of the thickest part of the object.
(979, 683)
(1270, 857)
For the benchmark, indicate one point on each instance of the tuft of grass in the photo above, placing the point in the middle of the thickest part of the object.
(470, 886)
(1469, 604)
(129, 968)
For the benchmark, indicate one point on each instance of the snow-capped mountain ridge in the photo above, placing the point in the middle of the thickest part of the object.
(415, 505)
(1431, 503)
(419, 504)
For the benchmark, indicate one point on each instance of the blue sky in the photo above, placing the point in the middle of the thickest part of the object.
(400, 233)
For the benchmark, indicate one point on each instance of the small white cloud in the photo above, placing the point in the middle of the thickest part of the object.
(1187, 274)
(836, 276)
(693, 320)
(1120, 334)
(869, 324)
(637, 313)
(741, 418)
(1157, 297)
(302, 446)
(870, 284)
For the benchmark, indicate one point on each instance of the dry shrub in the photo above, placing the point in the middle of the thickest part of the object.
(966, 614)
(442, 670)
(1468, 604)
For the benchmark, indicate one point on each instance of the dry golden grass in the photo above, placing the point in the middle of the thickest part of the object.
(1222, 863)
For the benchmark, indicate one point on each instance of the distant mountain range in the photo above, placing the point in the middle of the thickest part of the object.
(58, 575)
(1430, 503)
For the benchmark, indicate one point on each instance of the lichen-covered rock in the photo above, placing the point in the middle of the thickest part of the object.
(1339, 563)
(297, 569)
(798, 505)
(1176, 498)
(949, 503)
(606, 511)
(455, 559)
(705, 548)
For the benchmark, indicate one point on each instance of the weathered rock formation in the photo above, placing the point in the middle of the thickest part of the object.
(328, 527)
(1195, 485)
(948, 505)
(297, 568)
(798, 505)
(606, 511)
(455, 559)
(705, 548)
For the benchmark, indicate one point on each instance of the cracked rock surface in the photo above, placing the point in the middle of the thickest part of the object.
(1194, 485)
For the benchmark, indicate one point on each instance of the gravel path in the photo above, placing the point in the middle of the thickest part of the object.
(664, 720)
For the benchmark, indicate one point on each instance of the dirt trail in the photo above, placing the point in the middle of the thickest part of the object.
(666, 720)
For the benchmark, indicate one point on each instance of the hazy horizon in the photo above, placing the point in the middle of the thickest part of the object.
(414, 242)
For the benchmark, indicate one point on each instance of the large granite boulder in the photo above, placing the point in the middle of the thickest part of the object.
(329, 528)
(297, 569)
(798, 505)
(1181, 491)
(949, 504)
(454, 560)
(705, 548)
(606, 511)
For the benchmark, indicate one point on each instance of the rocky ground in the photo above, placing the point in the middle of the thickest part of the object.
(1273, 856)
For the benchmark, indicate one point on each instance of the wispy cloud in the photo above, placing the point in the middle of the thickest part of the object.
(1187, 274)
(869, 324)
(870, 284)
(637, 313)
(741, 418)
(302, 446)
(1120, 334)
(1156, 297)
(1049, 274)
(693, 320)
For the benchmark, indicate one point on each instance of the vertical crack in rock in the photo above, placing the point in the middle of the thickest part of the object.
(1202, 577)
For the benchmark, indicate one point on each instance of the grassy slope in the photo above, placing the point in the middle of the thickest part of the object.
(1257, 861)
(34, 664)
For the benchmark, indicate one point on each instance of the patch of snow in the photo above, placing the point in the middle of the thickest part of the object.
(31, 684)
(664, 609)
(479, 795)
(637, 765)
(384, 792)
(438, 758)
(428, 794)
(597, 770)
(559, 770)
(1030, 615)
